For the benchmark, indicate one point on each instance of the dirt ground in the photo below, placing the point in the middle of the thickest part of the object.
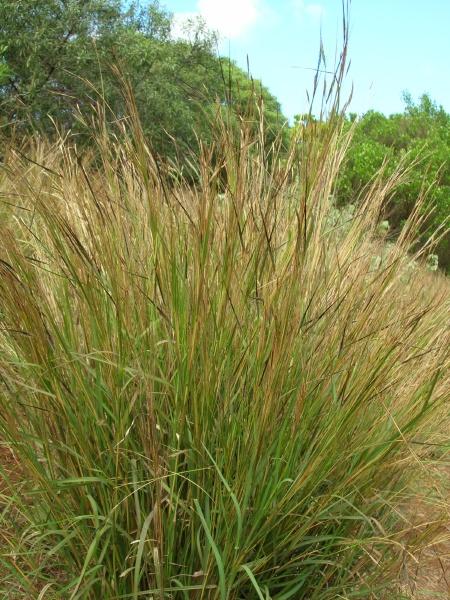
(427, 575)
(431, 578)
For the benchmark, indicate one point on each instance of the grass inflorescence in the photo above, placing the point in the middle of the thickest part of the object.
(207, 389)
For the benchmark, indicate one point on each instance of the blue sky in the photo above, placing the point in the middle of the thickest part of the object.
(395, 45)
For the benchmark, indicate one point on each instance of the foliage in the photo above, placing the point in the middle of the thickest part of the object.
(210, 396)
(59, 56)
(421, 136)
(4, 71)
(219, 387)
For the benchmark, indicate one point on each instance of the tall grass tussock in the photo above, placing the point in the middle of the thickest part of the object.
(207, 389)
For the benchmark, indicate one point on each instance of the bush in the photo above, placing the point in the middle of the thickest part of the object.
(421, 137)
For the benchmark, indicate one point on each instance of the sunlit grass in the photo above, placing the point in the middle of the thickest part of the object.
(208, 389)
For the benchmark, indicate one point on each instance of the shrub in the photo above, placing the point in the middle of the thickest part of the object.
(420, 135)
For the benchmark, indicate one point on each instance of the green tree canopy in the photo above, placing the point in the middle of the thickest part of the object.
(58, 52)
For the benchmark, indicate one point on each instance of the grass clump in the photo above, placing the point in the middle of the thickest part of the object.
(208, 390)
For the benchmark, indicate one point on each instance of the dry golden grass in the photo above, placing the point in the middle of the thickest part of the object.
(211, 391)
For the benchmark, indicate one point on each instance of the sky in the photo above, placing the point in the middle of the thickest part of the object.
(395, 46)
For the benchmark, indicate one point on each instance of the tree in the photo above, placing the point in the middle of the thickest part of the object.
(44, 39)
(58, 52)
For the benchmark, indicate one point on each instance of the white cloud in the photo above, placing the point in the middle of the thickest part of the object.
(230, 18)
(316, 11)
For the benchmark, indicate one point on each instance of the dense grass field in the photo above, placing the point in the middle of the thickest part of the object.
(213, 388)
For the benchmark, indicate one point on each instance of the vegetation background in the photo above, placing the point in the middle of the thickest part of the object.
(58, 55)
(224, 358)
